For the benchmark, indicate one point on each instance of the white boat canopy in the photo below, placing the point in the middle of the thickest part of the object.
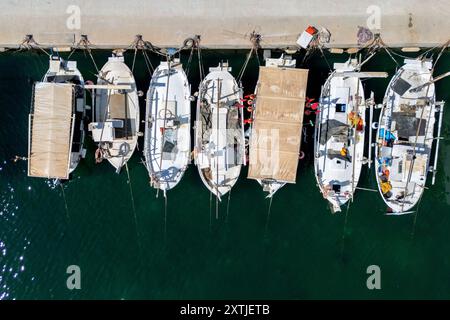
(51, 131)
(278, 121)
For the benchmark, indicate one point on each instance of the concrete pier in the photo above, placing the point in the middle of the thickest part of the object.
(221, 23)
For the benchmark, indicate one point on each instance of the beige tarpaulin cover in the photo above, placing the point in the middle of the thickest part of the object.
(278, 121)
(50, 131)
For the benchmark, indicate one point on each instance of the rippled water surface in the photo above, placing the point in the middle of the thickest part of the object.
(305, 252)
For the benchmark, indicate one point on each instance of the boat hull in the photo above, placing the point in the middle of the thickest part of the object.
(219, 134)
(73, 75)
(118, 106)
(167, 147)
(339, 141)
(405, 136)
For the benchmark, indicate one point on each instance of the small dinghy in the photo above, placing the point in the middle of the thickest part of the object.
(116, 113)
(277, 122)
(56, 122)
(167, 146)
(405, 136)
(219, 131)
(339, 133)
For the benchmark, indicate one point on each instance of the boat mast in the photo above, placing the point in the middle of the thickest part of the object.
(441, 114)
(411, 164)
(219, 88)
(164, 123)
(372, 103)
(355, 109)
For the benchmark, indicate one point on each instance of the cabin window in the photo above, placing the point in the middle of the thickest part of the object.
(337, 188)
(340, 107)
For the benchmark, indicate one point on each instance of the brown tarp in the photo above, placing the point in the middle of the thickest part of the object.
(278, 121)
(50, 131)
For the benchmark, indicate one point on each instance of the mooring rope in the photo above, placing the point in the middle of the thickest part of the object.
(228, 205)
(65, 202)
(266, 228)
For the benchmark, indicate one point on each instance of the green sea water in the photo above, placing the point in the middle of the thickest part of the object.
(301, 252)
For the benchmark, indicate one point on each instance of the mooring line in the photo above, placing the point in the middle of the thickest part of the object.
(345, 228)
(266, 228)
(65, 202)
(210, 210)
(228, 206)
(132, 205)
(165, 217)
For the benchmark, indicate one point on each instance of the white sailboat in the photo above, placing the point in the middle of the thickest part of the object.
(405, 136)
(116, 113)
(277, 122)
(56, 122)
(340, 132)
(167, 146)
(219, 131)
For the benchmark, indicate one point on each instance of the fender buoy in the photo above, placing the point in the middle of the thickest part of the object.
(307, 112)
(98, 155)
(250, 102)
(246, 121)
(301, 155)
(250, 109)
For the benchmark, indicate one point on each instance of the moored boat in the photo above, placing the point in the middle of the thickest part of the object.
(167, 146)
(405, 136)
(116, 113)
(339, 139)
(277, 121)
(56, 122)
(219, 132)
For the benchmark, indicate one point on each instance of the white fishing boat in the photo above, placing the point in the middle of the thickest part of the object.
(56, 122)
(116, 113)
(340, 132)
(405, 136)
(167, 146)
(219, 132)
(277, 122)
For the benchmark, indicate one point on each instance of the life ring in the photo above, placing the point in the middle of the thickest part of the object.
(301, 155)
(250, 102)
(314, 106)
(375, 125)
(124, 149)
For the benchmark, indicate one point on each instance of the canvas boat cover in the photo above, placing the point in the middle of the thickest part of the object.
(277, 126)
(50, 131)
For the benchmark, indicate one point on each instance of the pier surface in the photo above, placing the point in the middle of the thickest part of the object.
(221, 23)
